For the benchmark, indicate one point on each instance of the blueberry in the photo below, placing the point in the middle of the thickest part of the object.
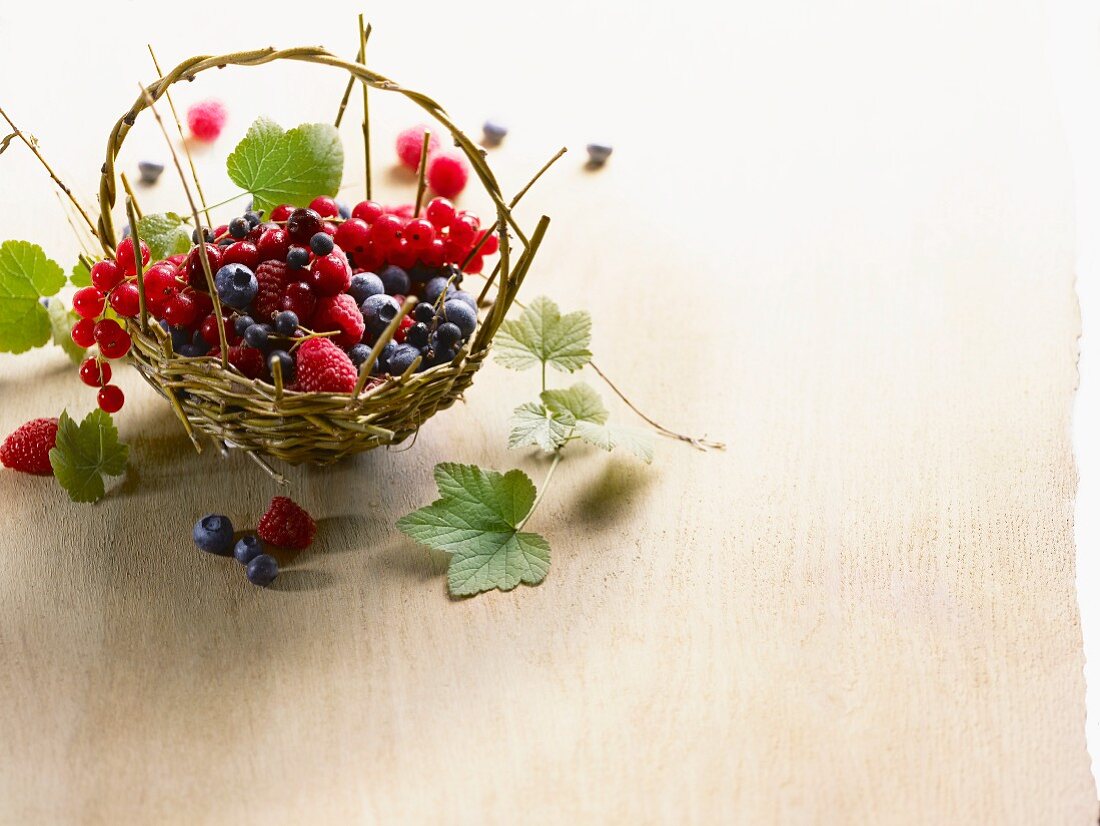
(297, 258)
(248, 548)
(462, 295)
(401, 358)
(214, 534)
(447, 335)
(358, 354)
(256, 336)
(380, 366)
(206, 234)
(494, 132)
(364, 285)
(321, 243)
(459, 313)
(395, 280)
(286, 364)
(440, 356)
(227, 240)
(420, 273)
(236, 285)
(378, 311)
(199, 344)
(180, 337)
(598, 153)
(242, 323)
(423, 312)
(286, 323)
(434, 288)
(239, 228)
(125, 230)
(188, 351)
(253, 217)
(417, 335)
(150, 171)
(262, 570)
(343, 210)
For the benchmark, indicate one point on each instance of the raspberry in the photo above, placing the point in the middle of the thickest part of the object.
(447, 174)
(273, 279)
(286, 525)
(324, 368)
(206, 120)
(341, 313)
(411, 141)
(28, 448)
(248, 360)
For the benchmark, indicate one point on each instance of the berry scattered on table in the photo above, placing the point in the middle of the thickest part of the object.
(598, 153)
(214, 534)
(27, 449)
(410, 143)
(206, 119)
(262, 570)
(248, 547)
(286, 524)
(150, 171)
(447, 174)
(493, 132)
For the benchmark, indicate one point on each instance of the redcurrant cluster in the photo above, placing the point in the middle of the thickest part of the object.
(322, 273)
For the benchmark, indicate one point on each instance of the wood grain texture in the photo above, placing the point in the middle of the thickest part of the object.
(835, 235)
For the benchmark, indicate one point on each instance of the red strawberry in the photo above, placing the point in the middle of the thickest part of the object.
(28, 448)
(324, 368)
(273, 279)
(340, 313)
(286, 524)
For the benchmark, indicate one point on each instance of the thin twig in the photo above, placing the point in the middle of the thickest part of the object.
(132, 198)
(34, 148)
(421, 171)
(76, 230)
(198, 224)
(542, 489)
(347, 92)
(364, 35)
(183, 140)
(139, 265)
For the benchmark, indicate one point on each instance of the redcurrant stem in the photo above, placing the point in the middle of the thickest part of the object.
(542, 489)
(34, 149)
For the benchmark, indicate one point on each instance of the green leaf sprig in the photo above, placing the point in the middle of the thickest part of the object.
(27, 276)
(85, 453)
(480, 515)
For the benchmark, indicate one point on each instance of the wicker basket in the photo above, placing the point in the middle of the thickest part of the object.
(212, 397)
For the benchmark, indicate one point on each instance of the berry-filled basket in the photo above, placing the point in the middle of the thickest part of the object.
(269, 416)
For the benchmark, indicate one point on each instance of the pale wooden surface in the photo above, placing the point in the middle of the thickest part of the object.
(862, 612)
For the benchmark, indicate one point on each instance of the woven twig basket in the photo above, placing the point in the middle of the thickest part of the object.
(212, 397)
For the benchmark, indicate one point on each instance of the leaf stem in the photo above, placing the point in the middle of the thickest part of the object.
(542, 489)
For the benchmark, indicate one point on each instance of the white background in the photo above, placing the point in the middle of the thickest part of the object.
(1075, 57)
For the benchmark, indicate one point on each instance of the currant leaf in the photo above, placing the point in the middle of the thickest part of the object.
(611, 436)
(85, 453)
(81, 275)
(165, 233)
(287, 167)
(476, 520)
(537, 424)
(26, 275)
(580, 400)
(542, 335)
(62, 320)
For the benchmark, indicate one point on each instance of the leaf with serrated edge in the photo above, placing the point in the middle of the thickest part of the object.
(611, 436)
(81, 276)
(290, 167)
(534, 424)
(165, 233)
(26, 275)
(62, 320)
(543, 335)
(85, 453)
(580, 400)
(475, 521)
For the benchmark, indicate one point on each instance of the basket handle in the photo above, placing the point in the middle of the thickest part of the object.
(507, 283)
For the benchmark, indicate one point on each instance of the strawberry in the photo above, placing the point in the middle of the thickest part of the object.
(28, 448)
(324, 368)
(286, 524)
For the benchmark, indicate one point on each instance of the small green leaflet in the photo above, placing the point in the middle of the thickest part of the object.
(26, 275)
(280, 167)
(81, 275)
(580, 400)
(85, 453)
(62, 320)
(535, 424)
(166, 233)
(476, 520)
(611, 436)
(542, 335)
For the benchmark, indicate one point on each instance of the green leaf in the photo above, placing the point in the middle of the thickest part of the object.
(85, 453)
(292, 167)
(580, 400)
(26, 275)
(476, 520)
(166, 233)
(611, 436)
(542, 335)
(81, 275)
(536, 424)
(62, 320)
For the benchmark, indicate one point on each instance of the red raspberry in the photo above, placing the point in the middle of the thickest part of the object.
(28, 448)
(324, 368)
(410, 142)
(248, 360)
(402, 328)
(206, 120)
(273, 279)
(286, 525)
(340, 312)
(447, 174)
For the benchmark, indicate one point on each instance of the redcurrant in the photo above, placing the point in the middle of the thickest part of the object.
(420, 233)
(440, 212)
(330, 275)
(124, 255)
(368, 211)
(324, 206)
(180, 310)
(94, 372)
(125, 299)
(83, 333)
(111, 398)
(353, 235)
(196, 275)
(281, 213)
(386, 231)
(106, 274)
(88, 302)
